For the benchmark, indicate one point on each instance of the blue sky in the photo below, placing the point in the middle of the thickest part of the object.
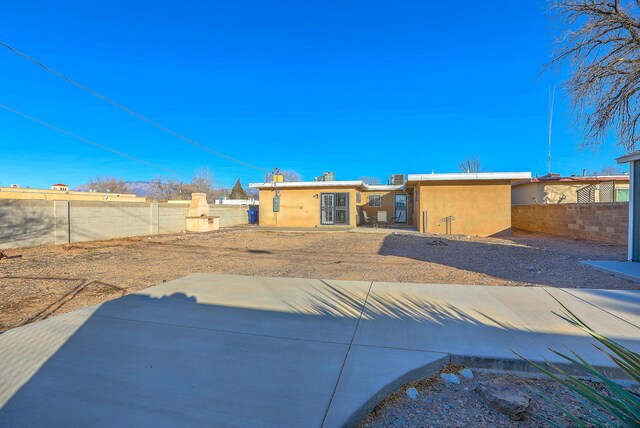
(356, 87)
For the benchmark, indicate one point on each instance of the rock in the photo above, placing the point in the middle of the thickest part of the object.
(450, 378)
(504, 397)
(466, 373)
(412, 393)
(2, 255)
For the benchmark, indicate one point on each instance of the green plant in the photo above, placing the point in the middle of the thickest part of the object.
(610, 400)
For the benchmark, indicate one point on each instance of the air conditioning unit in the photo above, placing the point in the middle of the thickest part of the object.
(326, 176)
(396, 179)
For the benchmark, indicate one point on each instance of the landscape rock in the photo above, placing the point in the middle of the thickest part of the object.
(466, 373)
(505, 397)
(412, 393)
(450, 378)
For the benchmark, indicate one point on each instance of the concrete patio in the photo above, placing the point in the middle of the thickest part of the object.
(220, 350)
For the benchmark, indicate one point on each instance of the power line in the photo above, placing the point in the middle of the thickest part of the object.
(86, 140)
(129, 111)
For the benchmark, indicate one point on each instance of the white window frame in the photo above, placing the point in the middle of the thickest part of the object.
(374, 198)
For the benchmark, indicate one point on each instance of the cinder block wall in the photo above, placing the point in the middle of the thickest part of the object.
(27, 223)
(92, 221)
(604, 222)
(230, 215)
(171, 218)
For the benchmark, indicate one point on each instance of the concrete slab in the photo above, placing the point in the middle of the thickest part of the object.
(481, 322)
(623, 269)
(124, 373)
(371, 374)
(623, 304)
(308, 309)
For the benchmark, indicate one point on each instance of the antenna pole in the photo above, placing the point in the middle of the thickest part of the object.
(552, 97)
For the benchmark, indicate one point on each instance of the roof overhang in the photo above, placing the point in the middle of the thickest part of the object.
(631, 157)
(464, 176)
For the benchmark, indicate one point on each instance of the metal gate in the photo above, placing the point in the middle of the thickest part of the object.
(334, 208)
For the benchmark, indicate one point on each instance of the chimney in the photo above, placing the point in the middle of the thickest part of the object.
(584, 172)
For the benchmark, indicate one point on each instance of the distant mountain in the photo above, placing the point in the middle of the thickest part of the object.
(140, 188)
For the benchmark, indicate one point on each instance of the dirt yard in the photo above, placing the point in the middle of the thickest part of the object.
(41, 281)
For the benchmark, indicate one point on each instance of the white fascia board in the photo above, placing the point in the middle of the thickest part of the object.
(294, 184)
(463, 176)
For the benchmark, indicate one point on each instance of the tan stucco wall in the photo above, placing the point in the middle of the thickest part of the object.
(300, 207)
(554, 193)
(59, 195)
(387, 204)
(482, 209)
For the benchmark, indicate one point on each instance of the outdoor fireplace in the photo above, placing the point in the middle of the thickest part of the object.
(198, 218)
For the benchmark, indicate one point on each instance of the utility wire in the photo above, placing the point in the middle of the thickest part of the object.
(131, 112)
(86, 140)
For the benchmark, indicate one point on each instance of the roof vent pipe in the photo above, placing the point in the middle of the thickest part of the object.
(584, 172)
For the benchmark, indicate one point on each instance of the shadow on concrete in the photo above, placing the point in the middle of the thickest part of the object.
(172, 361)
(525, 265)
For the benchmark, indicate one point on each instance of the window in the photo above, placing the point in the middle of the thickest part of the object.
(334, 208)
(622, 195)
(358, 197)
(375, 201)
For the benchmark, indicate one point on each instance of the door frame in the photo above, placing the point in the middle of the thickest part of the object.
(406, 208)
(334, 210)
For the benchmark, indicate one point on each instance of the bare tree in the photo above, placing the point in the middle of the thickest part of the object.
(608, 170)
(288, 176)
(107, 185)
(165, 189)
(600, 41)
(470, 164)
(370, 180)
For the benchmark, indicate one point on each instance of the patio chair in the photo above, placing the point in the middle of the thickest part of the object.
(369, 220)
(382, 218)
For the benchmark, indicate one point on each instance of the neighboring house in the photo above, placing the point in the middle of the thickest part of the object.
(633, 159)
(554, 189)
(66, 195)
(474, 204)
(60, 187)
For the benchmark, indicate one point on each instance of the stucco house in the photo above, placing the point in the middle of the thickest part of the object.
(555, 189)
(474, 204)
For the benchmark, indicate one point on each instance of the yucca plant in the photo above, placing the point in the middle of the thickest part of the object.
(611, 399)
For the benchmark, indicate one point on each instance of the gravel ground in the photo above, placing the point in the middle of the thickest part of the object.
(41, 281)
(442, 405)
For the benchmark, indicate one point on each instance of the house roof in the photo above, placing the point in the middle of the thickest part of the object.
(633, 156)
(60, 184)
(556, 179)
(474, 176)
(342, 183)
